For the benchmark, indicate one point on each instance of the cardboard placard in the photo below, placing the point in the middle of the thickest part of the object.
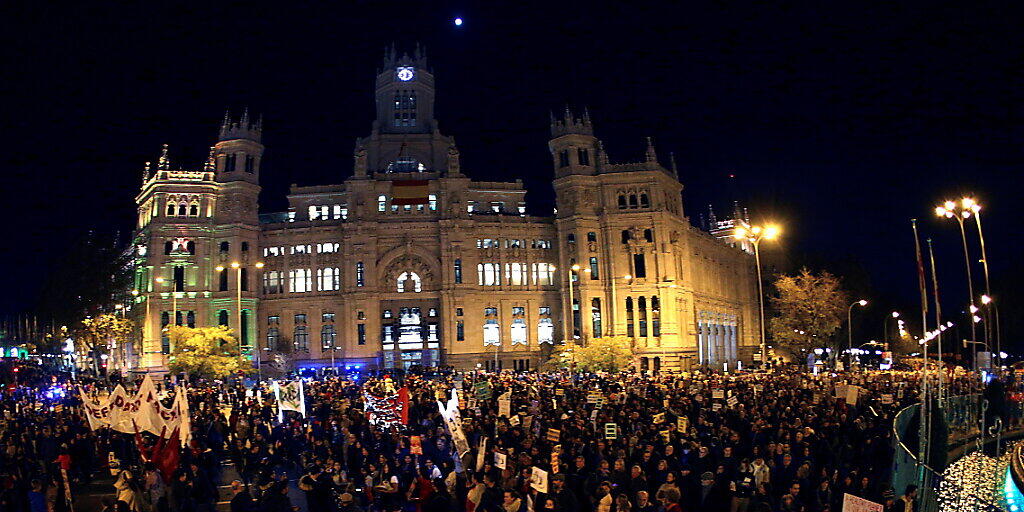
(658, 418)
(500, 460)
(611, 431)
(554, 435)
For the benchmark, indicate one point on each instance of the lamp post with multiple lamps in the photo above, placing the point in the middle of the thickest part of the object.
(961, 211)
(754, 235)
(849, 326)
(238, 288)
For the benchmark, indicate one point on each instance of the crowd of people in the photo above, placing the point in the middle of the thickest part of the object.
(784, 441)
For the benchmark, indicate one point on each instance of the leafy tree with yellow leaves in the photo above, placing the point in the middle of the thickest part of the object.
(208, 352)
(105, 334)
(608, 354)
(808, 310)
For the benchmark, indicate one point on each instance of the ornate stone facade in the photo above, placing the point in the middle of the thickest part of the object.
(408, 261)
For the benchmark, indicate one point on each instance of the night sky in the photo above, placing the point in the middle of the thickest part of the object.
(840, 121)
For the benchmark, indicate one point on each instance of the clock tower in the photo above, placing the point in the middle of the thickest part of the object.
(405, 94)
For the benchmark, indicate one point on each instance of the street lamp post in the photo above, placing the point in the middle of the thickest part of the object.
(754, 235)
(849, 326)
(961, 212)
(238, 296)
(885, 326)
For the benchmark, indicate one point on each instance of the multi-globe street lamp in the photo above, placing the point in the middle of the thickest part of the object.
(961, 211)
(754, 235)
(849, 326)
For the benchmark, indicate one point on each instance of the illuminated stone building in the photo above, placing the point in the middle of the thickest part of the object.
(410, 261)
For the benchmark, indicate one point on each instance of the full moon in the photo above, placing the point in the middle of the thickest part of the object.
(458, 22)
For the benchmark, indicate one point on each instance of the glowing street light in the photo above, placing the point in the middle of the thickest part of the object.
(754, 235)
(960, 212)
(849, 324)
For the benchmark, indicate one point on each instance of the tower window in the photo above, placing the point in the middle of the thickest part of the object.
(193, 210)
(626, 236)
(563, 158)
(182, 209)
(591, 236)
(361, 333)
(458, 271)
(225, 247)
(229, 163)
(223, 280)
(632, 201)
(222, 317)
(583, 155)
(179, 279)
(639, 265)
(595, 316)
(170, 209)
(250, 164)
(593, 268)
(360, 274)
(648, 235)
(245, 279)
(622, 202)
(644, 201)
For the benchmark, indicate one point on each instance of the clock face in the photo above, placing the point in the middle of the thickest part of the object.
(405, 74)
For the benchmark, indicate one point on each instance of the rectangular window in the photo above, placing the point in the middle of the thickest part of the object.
(360, 274)
(471, 206)
(460, 331)
(583, 156)
(361, 333)
(273, 251)
(487, 243)
(382, 203)
(543, 274)
(593, 268)
(250, 164)
(639, 265)
(432, 201)
(545, 331)
(491, 311)
(273, 281)
(302, 249)
(497, 206)
(515, 274)
(542, 244)
(563, 158)
(518, 331)
(513, 243)
(641, 304)
(595, 317)
(319, 212)
(458, 271)
(492, 333)
(300, 280)
(327, 247)
(179, 279)
(488, 274)
(518, 310)
(458, 311)
(544, 310)
(328, 279)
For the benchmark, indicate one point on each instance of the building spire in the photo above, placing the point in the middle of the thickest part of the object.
(164, 163)
(672, 163)
(651, 155)
(211, 162)
(145, 172)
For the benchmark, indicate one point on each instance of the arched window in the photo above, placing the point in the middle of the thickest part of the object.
(632, 201)
(622, 202)
(190, 246)
(492, 332)
(168, 247)
(382, 203)
(458, 271)
(591, 236)
(648, 235)
(595, 317)
(182, 209)
(222, 317)
(545, 331)
(644, 201)
(409, 281)
(170, 208)
(193, 210)
(626, 236)
(641, 304)
(225, 246)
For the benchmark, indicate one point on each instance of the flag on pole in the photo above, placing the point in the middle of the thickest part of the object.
(920, 273)
(408, 192)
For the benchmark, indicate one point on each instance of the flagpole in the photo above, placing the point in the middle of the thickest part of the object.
(923, 427)
(938, 319)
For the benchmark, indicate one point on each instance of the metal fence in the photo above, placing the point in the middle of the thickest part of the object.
(961, 414)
